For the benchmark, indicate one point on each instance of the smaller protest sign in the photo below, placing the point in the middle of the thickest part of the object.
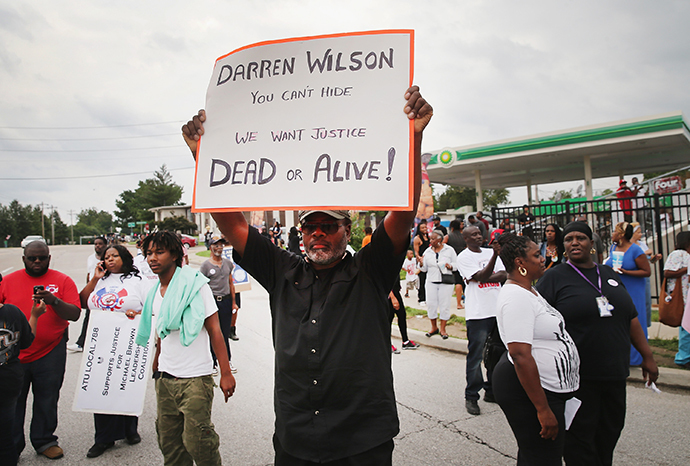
(240, 277)
(114, 369)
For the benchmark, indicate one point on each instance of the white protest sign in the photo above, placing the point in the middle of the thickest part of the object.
(311, 123)
(114, 369)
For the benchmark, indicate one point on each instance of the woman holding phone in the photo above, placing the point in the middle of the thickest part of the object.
(115, 286)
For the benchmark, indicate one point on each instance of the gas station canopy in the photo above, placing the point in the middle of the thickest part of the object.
(652, 144)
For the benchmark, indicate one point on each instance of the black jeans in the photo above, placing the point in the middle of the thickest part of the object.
(225, 321)
(477, 331)
(598, 423)
(522, 417)
(111, 427)
(44, 377)
(84, 328)
(8, 451)
(400, 312)
(421, 291)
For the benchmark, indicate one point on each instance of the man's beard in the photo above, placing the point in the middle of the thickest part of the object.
(328, 256)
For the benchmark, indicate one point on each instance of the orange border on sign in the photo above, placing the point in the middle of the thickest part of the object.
(410, 200)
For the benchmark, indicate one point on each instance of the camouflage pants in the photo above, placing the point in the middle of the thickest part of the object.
(185, 431)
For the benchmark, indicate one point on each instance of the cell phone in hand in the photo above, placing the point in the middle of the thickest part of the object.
(38, 288)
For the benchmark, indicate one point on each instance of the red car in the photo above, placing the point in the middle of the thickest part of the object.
(188, 241)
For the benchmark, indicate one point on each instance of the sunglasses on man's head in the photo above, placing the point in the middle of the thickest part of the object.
(35, 258)
(327, 228)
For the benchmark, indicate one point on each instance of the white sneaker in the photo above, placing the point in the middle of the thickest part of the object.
(75, 348)
(233, 369)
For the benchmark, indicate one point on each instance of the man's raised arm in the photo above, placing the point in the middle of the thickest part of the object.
(398, 223)
(233, 225)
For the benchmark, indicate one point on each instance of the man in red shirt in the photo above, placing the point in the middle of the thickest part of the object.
(43, 363)
(624, 195)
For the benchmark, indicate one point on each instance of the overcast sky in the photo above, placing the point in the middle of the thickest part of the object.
(94, 93)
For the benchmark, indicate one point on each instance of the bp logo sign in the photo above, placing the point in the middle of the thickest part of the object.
(446, 158)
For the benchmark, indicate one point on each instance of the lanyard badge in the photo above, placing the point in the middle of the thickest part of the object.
(605, 307)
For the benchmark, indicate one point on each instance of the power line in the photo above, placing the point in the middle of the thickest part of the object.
(89, 176)
(89, 159)
(89, 139)
(89, 150)
(91, 127)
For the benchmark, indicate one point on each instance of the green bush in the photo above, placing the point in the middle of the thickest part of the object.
(357, 233)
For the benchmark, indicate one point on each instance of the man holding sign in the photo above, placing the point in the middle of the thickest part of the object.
(334, 398)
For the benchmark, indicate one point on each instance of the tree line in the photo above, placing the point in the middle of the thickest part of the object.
(18, 221)
(457, 196)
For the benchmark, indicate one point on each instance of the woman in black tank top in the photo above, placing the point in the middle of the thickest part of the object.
(421, 244)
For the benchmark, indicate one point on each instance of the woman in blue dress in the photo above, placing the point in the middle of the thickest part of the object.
(633, 270)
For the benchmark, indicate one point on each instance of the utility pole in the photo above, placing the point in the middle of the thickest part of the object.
(71, 226)
(52, 224)
(43, 228)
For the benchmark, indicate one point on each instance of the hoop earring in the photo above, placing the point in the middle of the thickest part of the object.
(523, 271)
(565, 254)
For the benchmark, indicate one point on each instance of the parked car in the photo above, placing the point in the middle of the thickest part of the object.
(188, 241)
(31, 239)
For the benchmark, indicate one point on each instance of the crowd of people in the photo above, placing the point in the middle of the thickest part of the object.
(117, 281)
(555, 309)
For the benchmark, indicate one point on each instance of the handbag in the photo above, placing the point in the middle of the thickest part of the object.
(493, 348)
(671, 306)
(446, 278)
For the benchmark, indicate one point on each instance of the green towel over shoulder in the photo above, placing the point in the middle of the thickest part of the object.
(182, 308)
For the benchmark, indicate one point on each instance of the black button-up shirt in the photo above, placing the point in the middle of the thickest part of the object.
(331, 333)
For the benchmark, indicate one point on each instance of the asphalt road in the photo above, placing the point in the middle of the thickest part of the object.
(435, 429)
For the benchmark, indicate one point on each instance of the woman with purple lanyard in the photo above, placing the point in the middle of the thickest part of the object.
(602, 320)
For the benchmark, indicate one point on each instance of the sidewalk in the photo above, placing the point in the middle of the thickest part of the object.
(668, 377)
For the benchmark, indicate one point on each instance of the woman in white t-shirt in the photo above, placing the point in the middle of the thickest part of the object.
(540, 371)
(115, 286)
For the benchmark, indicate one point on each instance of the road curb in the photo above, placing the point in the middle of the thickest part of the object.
(678, 379)
(455, 345)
